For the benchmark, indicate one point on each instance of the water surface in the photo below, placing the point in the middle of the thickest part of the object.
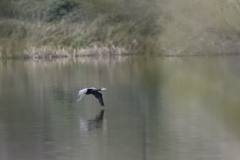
(155, 109)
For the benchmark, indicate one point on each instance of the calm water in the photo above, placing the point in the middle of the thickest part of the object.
(156, 109)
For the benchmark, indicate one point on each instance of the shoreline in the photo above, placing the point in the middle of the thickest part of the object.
(44, 52)
(106, 55)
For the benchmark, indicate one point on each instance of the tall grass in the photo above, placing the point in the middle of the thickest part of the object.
(169, 27)
(200, 27)
(120, 26)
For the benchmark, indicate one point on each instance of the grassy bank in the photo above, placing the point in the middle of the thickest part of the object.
(51, 28)
(75, 28)
(43, 39)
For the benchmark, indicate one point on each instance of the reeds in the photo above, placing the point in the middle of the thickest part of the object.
(98, 37)
(166, 27)
(45, 52)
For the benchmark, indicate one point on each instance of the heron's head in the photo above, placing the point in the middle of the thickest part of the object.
(102, 89)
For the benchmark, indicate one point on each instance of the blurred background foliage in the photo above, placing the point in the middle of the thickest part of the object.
(6, 8)
(170, 27)
(75, 10)
(80, 23)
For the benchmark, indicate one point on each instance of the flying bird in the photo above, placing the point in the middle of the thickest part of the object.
(93, 91)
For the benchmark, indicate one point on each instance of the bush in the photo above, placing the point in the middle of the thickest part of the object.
(5, 8)
(60, 8)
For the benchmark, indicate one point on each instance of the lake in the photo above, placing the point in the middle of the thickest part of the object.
(156, 108)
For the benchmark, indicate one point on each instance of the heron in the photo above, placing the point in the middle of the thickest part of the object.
(93, 91)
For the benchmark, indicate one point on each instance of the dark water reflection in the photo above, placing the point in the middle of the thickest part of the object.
(156, 108)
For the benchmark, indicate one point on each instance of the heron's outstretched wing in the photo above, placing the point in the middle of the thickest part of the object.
(81, 94)
(99, 97)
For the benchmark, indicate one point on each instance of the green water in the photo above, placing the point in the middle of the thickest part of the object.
(155, 109)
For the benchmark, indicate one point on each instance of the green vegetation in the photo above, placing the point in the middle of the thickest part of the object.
(52, 25)
(170, 27)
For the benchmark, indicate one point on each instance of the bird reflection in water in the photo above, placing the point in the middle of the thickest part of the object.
(89, 125)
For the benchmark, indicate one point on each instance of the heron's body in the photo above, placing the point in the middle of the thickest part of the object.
(93, 91)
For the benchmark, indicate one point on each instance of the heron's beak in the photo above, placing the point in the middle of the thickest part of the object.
(103, 89)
